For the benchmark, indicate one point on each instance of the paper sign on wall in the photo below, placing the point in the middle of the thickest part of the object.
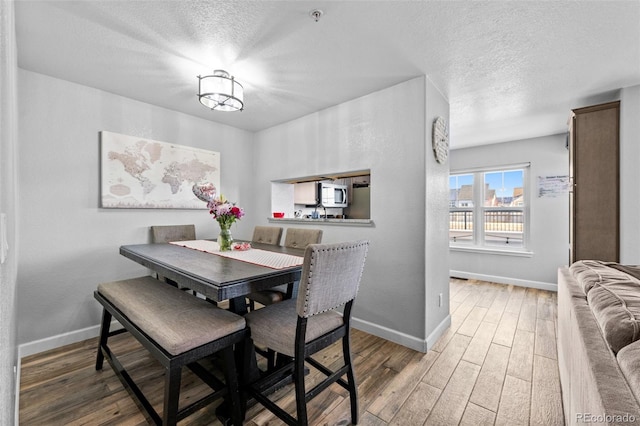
(553, 186)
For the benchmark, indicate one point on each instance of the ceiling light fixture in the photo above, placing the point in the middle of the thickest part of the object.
(220, 92)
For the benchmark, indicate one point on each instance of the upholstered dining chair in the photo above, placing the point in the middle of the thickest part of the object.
(295, 238)
(168, 233)
(301, 238)
(267, 235)
(301, 327)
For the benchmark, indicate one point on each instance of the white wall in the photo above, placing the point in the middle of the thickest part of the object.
(67, 243)
(549, 236)
(630, 175)
(370, 133)
(8, 143)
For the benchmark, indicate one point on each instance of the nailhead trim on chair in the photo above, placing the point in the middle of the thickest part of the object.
(311, 267)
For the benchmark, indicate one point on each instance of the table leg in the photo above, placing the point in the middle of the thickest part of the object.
(238, 305)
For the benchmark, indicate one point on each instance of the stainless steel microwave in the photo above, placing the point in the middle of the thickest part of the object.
(332, 195)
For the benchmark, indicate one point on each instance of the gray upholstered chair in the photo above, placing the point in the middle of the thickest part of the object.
(295, 238)
(168, 233)
(165, 234)
(301, 327)
(301, 238)
(267, 235)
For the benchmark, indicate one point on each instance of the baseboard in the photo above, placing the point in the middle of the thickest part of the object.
(505, 280)
(389, 334)
(60, 340)
(395, 336)
(438, 331)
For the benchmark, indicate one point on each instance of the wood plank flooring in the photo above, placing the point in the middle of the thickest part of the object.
(496, 365)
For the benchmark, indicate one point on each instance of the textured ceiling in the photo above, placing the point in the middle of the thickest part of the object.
(510, 70)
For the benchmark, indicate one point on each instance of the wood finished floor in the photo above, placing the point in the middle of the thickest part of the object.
(496, 365)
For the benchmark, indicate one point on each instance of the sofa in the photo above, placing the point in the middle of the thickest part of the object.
(599, 342)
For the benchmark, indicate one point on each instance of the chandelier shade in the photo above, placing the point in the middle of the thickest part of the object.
(220, 92)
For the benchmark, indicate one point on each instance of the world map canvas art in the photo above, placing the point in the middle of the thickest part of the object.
(143, 173)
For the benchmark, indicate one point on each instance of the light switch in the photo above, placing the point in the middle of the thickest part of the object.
(4, 246)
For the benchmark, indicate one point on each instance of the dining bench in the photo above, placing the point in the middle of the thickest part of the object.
(178, 329)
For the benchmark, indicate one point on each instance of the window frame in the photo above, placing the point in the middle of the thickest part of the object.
(478, 209)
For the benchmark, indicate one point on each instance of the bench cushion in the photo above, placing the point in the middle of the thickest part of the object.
(174, 319)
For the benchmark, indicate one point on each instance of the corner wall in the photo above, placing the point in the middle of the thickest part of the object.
(369, 133)
(436, 242)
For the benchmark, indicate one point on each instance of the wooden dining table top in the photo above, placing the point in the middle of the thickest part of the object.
(217, 277)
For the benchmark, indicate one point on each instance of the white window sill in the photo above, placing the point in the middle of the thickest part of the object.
(492, 250)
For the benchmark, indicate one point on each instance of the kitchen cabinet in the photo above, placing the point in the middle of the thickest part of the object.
(594, 171)
(305, 193)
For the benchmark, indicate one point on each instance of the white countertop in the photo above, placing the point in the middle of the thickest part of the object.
(322, 221)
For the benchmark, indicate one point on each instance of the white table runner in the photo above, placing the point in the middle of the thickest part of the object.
(256, 256)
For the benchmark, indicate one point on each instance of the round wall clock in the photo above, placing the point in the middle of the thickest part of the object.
(440, 139)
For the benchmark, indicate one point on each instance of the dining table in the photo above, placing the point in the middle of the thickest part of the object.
(200, 266)
(219, 276)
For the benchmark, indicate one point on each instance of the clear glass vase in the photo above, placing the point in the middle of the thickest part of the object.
(225, 240)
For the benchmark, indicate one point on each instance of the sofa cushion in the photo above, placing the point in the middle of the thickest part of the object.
(617, 310)
(590, 273)
(629, 361)
(614, 298)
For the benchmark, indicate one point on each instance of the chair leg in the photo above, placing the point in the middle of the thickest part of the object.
(353, 388)
(301, 400)
(171, 395)
(104, 336)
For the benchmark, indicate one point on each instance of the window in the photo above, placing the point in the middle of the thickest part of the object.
(489, 208)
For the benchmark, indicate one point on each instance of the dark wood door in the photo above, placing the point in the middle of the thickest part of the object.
(595, 199)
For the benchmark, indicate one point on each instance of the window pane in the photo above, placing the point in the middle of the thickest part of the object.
(461, 191)
(504, 213)
(461, 208)
(504, 227)
(504, 188)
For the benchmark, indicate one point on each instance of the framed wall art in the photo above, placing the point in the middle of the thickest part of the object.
(142, 173)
